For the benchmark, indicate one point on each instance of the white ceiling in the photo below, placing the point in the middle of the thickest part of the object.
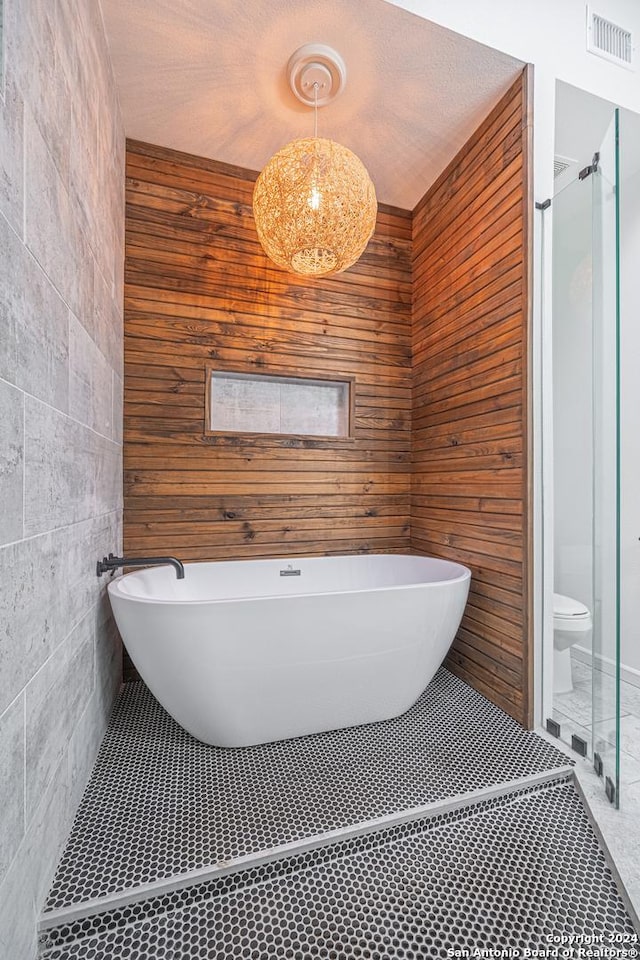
(208, 77)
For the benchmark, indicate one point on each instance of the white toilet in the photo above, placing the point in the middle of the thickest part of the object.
(571, 624)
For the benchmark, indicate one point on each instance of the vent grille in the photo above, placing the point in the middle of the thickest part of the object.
(560, 164)
(609, 40)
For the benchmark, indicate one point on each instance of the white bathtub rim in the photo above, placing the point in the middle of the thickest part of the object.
(114, 587)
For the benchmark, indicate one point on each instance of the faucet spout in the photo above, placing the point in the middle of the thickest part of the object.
(113, 563)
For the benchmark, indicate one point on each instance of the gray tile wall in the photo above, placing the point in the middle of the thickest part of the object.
(61, 265)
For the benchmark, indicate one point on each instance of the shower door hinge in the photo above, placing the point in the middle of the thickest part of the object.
(593, 166)
(610, 790)
(597, 764)
(553, 727)
(544, 205)
(579, 745)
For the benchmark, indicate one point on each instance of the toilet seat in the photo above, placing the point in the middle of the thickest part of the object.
(567, 611)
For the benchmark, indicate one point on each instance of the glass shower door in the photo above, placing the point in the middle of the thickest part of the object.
(606, 461)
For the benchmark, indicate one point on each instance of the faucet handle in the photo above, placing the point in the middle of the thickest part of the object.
(102, 566)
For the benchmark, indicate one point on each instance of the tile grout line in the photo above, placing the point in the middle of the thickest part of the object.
(54, 918)
(66, 526)
(63, 413)
(23, 694)
(24, 464)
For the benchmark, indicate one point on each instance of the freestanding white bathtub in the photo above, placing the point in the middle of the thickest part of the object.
(248, 652)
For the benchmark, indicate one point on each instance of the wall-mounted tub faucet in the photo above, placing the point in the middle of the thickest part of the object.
(113, 563)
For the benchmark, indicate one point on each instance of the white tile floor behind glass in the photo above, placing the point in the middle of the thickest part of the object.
(573, 713)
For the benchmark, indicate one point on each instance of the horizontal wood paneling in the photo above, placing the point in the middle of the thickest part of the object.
(470, 495)
(199, 290)
(433, 323)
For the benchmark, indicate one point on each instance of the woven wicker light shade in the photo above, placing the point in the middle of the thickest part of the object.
(314, 207)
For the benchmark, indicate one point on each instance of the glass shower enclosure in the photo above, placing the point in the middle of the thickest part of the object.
(606, 461)
(586, 456)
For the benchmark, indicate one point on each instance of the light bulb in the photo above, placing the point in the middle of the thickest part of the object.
(315, 198)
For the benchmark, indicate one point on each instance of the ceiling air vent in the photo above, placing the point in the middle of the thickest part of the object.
(608, 40)
(560, 164)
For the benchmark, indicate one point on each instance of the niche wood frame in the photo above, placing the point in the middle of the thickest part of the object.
(434, 322)
(291, 375)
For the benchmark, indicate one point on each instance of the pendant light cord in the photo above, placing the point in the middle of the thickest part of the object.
(315, 109)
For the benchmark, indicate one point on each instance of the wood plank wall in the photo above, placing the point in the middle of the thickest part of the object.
(199, 290)
(433, 322)
(470, 494)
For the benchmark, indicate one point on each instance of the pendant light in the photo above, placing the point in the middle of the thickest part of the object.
(314, 203)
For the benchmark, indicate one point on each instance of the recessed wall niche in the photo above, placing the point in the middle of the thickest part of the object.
(288, 405)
